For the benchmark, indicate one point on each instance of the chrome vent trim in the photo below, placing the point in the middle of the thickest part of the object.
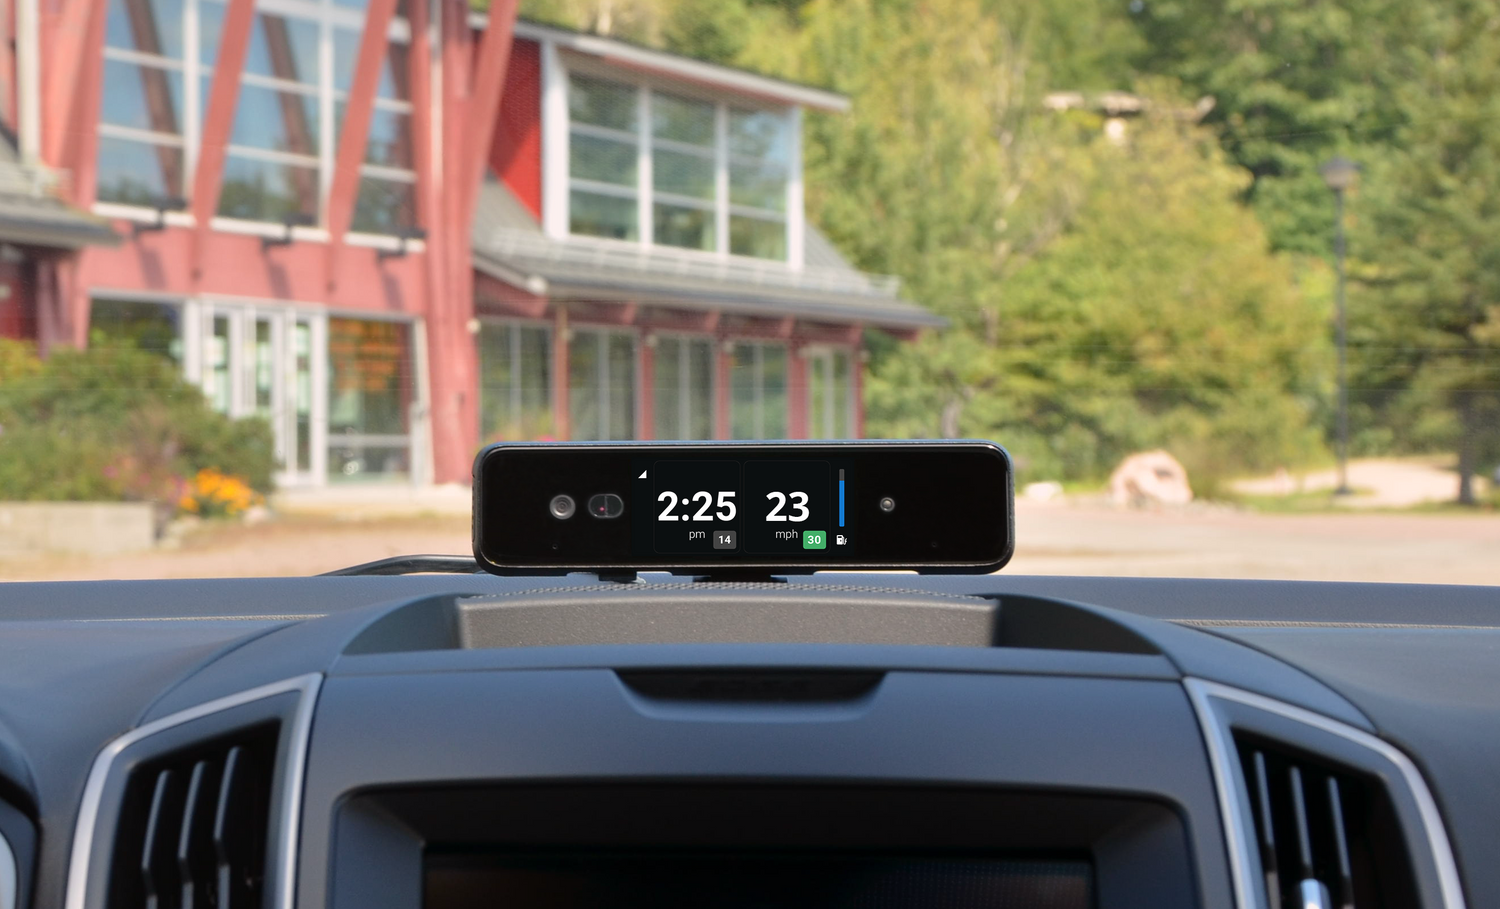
(284, 841)
(1239, 828)
(10, 875)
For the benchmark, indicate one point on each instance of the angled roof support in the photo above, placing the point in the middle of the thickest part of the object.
(218, 119)
(356, 129)
(484, 98)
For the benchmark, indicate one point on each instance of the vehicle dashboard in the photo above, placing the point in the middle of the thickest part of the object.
(432, 740)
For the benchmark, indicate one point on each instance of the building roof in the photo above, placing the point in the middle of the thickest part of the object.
(509, 245)
(676, 66)
(31, 214)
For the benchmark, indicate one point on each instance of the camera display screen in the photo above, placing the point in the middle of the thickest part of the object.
(769, 507)
(935, 506)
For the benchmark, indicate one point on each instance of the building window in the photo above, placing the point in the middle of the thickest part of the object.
(830, 394)
(683, 187)
(369, 400)
(141, 114)
(698, 174)
(601, 385)
(757, 393)
(602, 159)
(515, 391)
(387, 201)
(759, 156)
(154, 327)
(683, 388)
(158, 77)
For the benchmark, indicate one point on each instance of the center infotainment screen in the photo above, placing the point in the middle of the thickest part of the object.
(688, 880)
(928, 506)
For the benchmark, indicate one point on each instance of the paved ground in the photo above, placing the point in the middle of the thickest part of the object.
(1208, 542)
(1054, 538)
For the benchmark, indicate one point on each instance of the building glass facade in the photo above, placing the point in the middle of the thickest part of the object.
(158, 74)
(662, 167)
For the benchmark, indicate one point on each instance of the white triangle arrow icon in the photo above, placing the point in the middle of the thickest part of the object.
(642, 476)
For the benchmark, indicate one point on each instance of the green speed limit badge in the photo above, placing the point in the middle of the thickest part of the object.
(814, 539)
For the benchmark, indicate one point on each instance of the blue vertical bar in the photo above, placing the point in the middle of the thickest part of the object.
(841, 498)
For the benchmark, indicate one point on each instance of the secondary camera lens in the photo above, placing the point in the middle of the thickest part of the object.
(887, 504)
(606, 505)
(562, 507)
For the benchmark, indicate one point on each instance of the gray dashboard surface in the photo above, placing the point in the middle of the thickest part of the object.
(1252, 602)
(1435, 693)
(82, 662)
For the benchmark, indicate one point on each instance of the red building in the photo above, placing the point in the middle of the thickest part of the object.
(399, 231)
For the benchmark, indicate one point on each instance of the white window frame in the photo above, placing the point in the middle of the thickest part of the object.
(760, 346)
(558, 182)
(683, 386)
(601, 378)
(515, 344)
(820, 357)
(327, 16)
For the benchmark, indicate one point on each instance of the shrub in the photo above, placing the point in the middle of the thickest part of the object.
(116, 423)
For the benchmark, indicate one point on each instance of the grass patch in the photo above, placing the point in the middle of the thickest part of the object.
(1315, 501)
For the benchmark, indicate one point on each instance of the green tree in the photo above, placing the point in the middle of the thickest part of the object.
(1291, 83)
(1157, 317)
(1427, 239)
(1102, 296)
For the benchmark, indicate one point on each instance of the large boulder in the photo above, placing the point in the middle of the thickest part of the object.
(1150, 478)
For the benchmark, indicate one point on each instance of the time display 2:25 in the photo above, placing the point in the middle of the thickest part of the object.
(704, 501)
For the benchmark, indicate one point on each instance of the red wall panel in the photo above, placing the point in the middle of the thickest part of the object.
(516, 154)
(237, 265)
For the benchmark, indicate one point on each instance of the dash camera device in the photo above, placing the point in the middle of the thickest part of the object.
(726, 507)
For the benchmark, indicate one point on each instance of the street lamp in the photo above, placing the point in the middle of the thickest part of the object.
(1339, 174)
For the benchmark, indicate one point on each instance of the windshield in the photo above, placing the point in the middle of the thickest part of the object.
(1224, 278)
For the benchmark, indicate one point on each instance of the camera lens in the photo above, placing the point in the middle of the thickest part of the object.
(606, 505)
(562, 507)
(887, 504)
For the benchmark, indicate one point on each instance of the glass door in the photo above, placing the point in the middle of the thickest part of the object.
(371, 395)
(263, 361)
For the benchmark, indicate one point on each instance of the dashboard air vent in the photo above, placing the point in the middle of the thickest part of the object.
(1328, 837)
(193, 826)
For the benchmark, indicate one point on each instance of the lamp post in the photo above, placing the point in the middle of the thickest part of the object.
(1339, 174)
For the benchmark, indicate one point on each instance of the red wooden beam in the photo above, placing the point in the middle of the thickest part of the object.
(495, 297)
(845, 335)
(358, 112)
(723, 368)
(796, 393)
(419, 78)
(687, 321)
(484, 98)
(77, 151)
(455, 357)
(622, 314)
(218, 122)
(646, 426)
(561, 430)
(66, 33)
(858, 375)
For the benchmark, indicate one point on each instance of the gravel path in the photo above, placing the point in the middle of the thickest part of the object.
(1377, 482)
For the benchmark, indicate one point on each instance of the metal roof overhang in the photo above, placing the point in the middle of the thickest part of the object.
(61, 230)
(676, 66)
(573, 284)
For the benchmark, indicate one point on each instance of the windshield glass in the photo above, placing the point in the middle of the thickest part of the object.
(1223, 278)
